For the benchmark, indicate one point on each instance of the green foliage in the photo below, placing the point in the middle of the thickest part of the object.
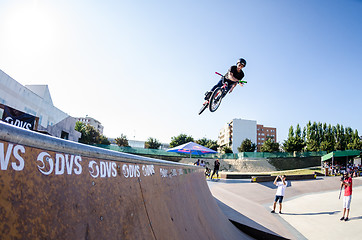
(152, 143)
(294, 143)
(247, 146)
(90, 135)
(208, 143)
(326, 146)
(180, 139)
(312, 146)
(122, 141)
(226, 150)
(270, 146)
(355, 145)
(104, 140)
(322, 137)
(79, 126)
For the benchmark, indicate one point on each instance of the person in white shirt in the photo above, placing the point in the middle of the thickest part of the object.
(280, 192)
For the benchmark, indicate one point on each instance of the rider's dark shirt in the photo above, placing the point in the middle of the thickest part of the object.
(236, 74)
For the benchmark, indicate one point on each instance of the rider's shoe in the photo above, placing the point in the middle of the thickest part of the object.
(207, 95)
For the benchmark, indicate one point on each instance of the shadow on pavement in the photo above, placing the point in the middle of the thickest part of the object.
(317, 213)
(355, 218)
(272, 186)
(247, 225)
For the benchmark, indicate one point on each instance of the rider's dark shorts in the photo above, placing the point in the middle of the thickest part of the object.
(220, 83)
(280, 198)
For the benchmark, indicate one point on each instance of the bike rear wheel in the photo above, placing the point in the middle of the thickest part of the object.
(215, 100)
(206, 104)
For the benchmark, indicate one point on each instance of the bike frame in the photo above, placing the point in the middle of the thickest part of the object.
(223, 93)
(223, 87)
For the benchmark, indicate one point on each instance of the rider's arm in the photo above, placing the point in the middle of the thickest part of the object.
(232, 88)
(232, 78)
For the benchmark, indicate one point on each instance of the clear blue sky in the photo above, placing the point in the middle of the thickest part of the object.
(142, 67)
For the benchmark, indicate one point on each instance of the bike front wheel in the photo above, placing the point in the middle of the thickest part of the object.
(215, 100)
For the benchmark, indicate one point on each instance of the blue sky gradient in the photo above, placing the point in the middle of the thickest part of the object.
(142, 67)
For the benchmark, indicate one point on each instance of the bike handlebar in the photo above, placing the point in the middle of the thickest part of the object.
(219, 74)
(240, 81)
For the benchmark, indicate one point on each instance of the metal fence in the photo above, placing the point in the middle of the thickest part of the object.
(255, 155)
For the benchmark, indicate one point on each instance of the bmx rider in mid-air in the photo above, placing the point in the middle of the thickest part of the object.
(233, 76)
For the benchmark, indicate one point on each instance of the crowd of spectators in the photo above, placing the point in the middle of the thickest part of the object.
(355, 170)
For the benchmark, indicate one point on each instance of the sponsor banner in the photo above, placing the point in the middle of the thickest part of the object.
(17, 157)
(18, 118)
(61, 194)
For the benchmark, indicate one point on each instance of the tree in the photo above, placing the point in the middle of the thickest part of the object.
(270, 146)
(180, 139)
(312, 146)
(355, 143)
(226, 149)
(212, 145)
(340, 138)
(326, 146)
(202, 141)
(90, 135)
(122, 141)
(103, 140)
(320, 136)
(247, 146)
(208, 143)
(293, 143)
(152, 143)
(79, 126)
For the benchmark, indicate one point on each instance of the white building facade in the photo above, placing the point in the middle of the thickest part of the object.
(236, 131)
(36, 101)
(91, 121)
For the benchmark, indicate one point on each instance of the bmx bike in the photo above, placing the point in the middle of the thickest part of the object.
(214, 101)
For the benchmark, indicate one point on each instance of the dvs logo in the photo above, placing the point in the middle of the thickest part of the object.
(62, 163)
(104, 169)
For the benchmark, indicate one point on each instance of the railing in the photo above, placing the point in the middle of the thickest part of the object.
(261, 155)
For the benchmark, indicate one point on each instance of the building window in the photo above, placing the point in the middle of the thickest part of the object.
(64, 135)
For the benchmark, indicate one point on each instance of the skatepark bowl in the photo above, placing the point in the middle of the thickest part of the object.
(52, 188)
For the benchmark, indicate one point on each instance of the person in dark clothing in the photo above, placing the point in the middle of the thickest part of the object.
(207, 172)
(232, 77)
(216, 169)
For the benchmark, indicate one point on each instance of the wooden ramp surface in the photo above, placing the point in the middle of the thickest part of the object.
(57, 189)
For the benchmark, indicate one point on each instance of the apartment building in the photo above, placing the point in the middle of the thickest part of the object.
(263, 134)
(91, 121)
(237, 130)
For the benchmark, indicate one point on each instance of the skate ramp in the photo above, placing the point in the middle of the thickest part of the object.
(57, 189)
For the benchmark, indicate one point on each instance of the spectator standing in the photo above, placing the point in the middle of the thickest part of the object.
(347, 184)
(202, 164)
(216, 169)
(282, 185)
(207, 172)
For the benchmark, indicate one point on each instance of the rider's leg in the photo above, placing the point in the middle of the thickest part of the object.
(208, 94)
(219, 84)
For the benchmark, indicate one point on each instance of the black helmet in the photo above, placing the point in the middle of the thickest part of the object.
(242, 61)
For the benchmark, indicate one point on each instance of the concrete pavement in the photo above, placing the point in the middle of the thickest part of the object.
(311, 208)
